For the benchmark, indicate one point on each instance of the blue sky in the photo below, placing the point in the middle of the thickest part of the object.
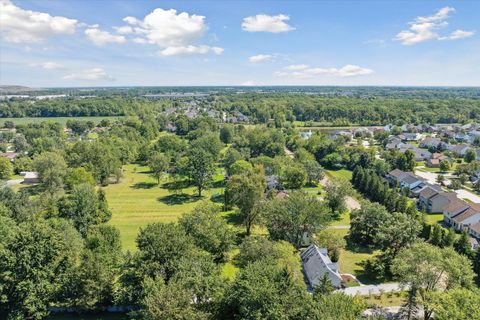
(118, 43)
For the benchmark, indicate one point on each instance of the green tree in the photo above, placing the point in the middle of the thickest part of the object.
(158, 164)
(263, 290)
(367, 221)
(315, 172)
(445, 166)
(85, 207)
(462, 245)
(470, 155)
(78, 176)
(246, 192)
(336, 306)
(226, 134)
(200, 167)
(51, 169)
(208, 229)
(168, 301)
(294, 176)
(458, 304)
(240, 167)
(336, 192)
(296, 218)
(427, 269)
(6, 169)
(34, 265)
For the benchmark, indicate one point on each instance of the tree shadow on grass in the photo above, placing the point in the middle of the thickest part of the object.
(218, 198)
(181, 198)
(233, 217)
(219, 184)
(143, 185)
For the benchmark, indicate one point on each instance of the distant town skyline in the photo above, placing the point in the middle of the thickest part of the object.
(159, 43)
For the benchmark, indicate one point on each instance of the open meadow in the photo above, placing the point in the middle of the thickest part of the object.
(137, 201)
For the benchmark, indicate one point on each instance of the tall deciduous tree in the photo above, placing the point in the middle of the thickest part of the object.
(295, 218)
(200, 167)
(158, 164)
(51, 169)
(426, 269)
(246, 192)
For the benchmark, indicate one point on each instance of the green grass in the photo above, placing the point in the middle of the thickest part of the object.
(386, 299)
(62, 120)
(351, 258)
(137, 201)
(344, 220)
(433, 218)
(342, 173)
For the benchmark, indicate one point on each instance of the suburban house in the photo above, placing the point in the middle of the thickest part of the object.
(433, 200)
(412, 136)
(430, 142)
(460, 149)
(394, 143)
(30, 177)
(316, 264)
(475, 233)
(436, 158)
(404, 179)
(464, 216)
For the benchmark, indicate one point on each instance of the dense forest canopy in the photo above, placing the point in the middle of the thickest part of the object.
(325, 105)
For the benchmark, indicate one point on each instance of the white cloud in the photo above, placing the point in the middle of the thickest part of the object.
(459, 34)
(260, 58)
(249, 83)
(295, 67)
(25, 26)
(49, 65)
(176, 33)
(425, 28)
(266, 23)
(124, 30)
(166, 28)
(90, 75)
(189, 50)
(101, 38)
(305, 72)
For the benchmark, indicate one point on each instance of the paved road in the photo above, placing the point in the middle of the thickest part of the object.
(365, 290)
(431, 177)
(14, 182)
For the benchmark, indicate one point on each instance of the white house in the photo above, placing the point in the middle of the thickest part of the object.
(316, 264)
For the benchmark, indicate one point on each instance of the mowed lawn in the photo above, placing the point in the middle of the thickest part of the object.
(137, 201)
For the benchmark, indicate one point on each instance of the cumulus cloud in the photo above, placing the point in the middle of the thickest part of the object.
(101, 38)
(176, 33)
(426, 28)
(90, 75)
(260, 58)
(25, 26)
(266, 23)
(49, 65)
(189, 50)
(306, 72)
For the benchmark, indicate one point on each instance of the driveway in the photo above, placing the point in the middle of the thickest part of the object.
(14, 182)
(365, 290)
(431, 177)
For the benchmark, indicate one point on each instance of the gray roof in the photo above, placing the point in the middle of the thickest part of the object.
(316, 264)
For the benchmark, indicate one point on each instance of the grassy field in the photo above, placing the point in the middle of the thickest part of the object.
(62, 120)
(343, 173)
(137, 201)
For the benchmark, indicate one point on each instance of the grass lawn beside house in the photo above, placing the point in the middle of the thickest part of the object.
(433, 218)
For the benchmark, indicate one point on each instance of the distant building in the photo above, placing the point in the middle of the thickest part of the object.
(30, 177)
(316, 264)
(306, 134)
